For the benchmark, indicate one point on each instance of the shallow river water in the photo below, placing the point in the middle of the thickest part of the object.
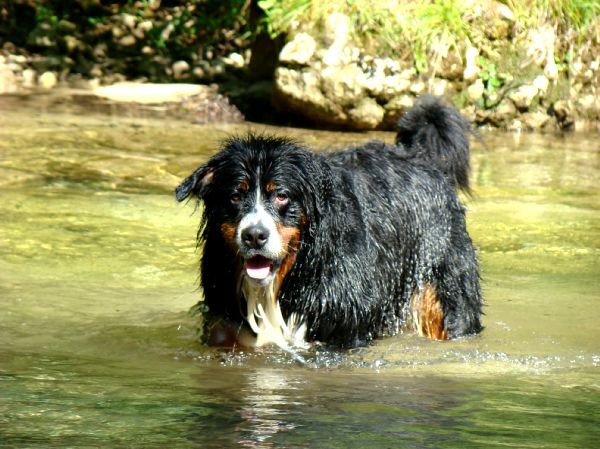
(98, 272)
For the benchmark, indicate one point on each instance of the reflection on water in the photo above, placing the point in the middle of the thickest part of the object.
(98, 271)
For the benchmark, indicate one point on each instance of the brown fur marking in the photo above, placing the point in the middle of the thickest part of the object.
(290, 237)
(428, 315)
(229, 230)
(244, 185)
(271, 186)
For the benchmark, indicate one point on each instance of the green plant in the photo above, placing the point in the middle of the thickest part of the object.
(489, 76)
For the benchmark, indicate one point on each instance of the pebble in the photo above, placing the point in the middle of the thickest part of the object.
(29, 78)
(48, 80)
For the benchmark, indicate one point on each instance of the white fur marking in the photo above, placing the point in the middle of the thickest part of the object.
(260, 217)
(266, 320)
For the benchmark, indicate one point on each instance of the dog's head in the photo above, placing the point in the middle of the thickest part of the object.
(259, 194)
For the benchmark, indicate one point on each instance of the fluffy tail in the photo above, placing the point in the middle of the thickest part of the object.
(439, 135)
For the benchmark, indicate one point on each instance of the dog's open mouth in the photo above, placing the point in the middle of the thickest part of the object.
(259, 268)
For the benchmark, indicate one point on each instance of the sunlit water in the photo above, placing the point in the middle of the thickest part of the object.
(98, 272)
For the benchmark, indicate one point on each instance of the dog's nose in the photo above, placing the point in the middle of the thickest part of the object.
(255, 236)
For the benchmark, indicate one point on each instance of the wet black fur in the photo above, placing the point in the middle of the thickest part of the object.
(381, 221)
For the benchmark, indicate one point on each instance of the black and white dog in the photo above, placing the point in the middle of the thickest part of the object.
(343, 247)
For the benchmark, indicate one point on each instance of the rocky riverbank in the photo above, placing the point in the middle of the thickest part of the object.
(502, 76)
(327, 78)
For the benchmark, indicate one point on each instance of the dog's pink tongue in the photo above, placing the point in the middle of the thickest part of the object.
(258, 267)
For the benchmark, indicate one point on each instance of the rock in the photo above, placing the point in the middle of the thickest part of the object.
(299, 91)
(497, 18)
(451, 67)
(180, 68)
(366, 115)
(19, 59)
(234, 60)
(337, 55)
(515, 125)
(506, 110)
(418, 88)
(438, 87)
(401, 103)
(343, 85)
(199, 72)
(116, 32)
(551, 70)
(394, 110)
(65, 26)
(523, 96)
(29, 78)
(588, 103)
(475, 91)
(127, 41)
(14, 67)
(563, 111)
(72, 43)
(534, 120)
(8, 81)
(149, 93)
(128, 20)
(337, 37)
(337, 29)
(540, 46)
(299, 50)
(386, 87)
(472, 70)
(541, 84)
(48, 80)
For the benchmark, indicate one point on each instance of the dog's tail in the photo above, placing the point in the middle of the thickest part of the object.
(438, 135)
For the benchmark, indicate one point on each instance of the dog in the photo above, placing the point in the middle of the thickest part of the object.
(339, 248)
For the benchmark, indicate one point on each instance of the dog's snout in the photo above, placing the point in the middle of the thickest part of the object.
(255, 236)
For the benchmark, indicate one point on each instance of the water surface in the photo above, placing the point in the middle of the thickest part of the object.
(98, 272)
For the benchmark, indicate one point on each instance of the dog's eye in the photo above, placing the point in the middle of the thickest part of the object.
(235, 197)
(281, 198)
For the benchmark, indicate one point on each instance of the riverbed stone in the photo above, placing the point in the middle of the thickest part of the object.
(48, 80)
(299, 50)
(149, 93)
(8, 81)
(29, 78)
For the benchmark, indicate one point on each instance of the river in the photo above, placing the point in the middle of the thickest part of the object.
(99, 271)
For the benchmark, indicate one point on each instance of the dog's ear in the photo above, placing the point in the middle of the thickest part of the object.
(197, 183)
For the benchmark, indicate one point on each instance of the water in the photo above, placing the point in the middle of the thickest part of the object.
(98, 271)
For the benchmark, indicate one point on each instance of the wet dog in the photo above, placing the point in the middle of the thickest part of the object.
(342, 247)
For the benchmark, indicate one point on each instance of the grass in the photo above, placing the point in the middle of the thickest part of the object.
(428, 29)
